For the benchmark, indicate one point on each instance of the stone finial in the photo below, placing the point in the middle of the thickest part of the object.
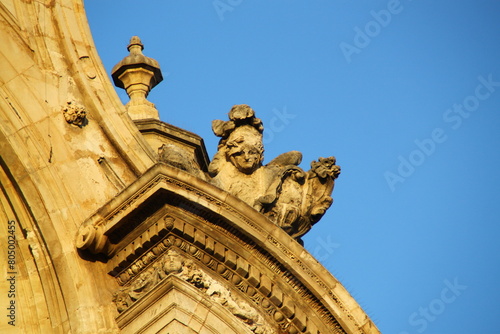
(138, 74)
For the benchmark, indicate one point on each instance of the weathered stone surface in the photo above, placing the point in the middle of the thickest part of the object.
(290, 197)
(209, 237)
(51, 175)
(172, 263)
(115, 235)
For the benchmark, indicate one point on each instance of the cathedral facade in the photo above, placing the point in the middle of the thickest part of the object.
(113, 221)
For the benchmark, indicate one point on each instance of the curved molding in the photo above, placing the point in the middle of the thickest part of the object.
(85, 67)
(38, 294)
(49, 58)
(116, 225)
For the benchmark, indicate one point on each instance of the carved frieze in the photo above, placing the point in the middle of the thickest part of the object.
(177, 256)
(173, 263)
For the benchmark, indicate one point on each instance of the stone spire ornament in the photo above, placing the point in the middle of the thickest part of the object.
(138, 74)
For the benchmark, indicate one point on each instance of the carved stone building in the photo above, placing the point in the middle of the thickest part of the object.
(116, 222)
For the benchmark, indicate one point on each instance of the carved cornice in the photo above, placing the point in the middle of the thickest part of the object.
(277, 297)
(169, 208)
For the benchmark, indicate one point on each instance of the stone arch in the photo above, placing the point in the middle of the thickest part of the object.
(37, 295)
(52, 274)
(49, 57)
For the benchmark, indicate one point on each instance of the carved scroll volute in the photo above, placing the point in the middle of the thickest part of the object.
(92, 238)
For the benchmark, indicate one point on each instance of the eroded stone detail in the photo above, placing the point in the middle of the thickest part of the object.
(243, 276)
(176, 157)
(144, 261)
(75, 114)
(172, 263)
(290, 197)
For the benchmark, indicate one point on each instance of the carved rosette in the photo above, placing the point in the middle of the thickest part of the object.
(75, 114)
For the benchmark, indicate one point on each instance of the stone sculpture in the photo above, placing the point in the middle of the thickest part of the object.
(290, 197)
(75, 114)
(138, 74)
(173, 263)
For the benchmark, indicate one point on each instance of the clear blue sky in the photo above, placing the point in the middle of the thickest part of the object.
(406, 95)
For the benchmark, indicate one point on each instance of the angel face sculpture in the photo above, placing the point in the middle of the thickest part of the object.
(245, 150)
(288, 196)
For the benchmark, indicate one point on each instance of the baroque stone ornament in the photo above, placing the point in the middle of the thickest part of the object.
(75, 114)
(230, 243)
(173, 263)
(289, 196)
(128, 206)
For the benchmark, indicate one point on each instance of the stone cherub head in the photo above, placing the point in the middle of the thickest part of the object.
(172, 262)
(290, 197)
(244, 149)
(241, 141)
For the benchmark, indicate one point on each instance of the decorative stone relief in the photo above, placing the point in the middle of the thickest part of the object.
(275, 299)
(290, 197)
(172, 263)
(75, 114)
(266, 284)
(176, 157)
(88, 67)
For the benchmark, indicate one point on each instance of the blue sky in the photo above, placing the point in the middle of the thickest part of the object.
(406, 95)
